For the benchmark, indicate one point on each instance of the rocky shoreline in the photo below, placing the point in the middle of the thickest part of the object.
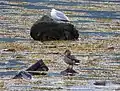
(100, 54)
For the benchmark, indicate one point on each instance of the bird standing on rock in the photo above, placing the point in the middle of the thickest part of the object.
(58, 15)
(70, 59)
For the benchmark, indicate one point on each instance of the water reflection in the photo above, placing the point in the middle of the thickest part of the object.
(103, 34)
(117, 1)
(13, 39)
(96, 14)
(7, 74)
(12, 64)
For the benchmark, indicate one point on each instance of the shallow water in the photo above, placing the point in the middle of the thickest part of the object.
(98, 24)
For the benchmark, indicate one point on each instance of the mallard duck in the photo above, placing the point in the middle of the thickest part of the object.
(70, 59)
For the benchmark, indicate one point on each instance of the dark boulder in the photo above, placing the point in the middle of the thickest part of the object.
(47, 29)
(38, 66)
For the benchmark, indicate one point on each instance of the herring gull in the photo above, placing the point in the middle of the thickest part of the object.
(58, 15)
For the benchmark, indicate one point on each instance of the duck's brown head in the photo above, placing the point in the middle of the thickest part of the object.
(67, 52)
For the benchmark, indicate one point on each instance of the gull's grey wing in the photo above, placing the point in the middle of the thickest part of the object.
(61, 15)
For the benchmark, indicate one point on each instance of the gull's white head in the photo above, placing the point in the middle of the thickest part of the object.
(53, 10)
(58, 15)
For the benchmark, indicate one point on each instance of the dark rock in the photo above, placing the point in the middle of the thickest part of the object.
(103, 83)
(118, 89)
(111, 48)
(38, 66)
(23, 75)
(32, 70)
(9, 50)
(68, 71)
(116, 82)
(47, 29)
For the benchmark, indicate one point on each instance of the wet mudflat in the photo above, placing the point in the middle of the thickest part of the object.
(98, 46)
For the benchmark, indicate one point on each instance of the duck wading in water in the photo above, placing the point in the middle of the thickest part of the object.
(71, 61)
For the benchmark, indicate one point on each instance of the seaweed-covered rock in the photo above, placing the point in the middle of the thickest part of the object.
(47, 29)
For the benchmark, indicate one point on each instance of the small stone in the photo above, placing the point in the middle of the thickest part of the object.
(100, 83)
(23, 75)
(111, 48)
(9, 50)
(68, 71)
